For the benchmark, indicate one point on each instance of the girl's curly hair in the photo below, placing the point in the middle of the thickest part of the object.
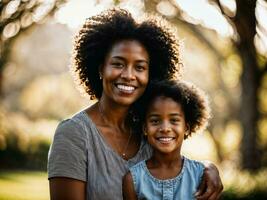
(96, 37)
(193, 101)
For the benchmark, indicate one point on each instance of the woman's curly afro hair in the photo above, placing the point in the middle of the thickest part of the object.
(100, 32)
(193, 101)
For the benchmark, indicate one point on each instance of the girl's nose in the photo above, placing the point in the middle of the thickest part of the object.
(165, 127)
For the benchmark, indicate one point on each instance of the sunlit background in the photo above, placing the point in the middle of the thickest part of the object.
(224, 50)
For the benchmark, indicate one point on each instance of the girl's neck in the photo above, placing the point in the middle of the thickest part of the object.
(165, 166)
(163, 160)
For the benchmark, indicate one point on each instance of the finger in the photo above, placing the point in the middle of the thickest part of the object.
(219, 196)
(213, 196)
(220, 192)
(206, 195)
(216, 195)
(221, 187)
(202, 187)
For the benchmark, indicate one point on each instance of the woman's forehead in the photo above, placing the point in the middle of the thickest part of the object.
(125, 47)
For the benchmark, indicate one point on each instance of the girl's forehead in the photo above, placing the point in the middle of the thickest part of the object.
(162, 99)
(163, 102)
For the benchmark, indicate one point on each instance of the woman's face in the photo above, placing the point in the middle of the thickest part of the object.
(125, 72)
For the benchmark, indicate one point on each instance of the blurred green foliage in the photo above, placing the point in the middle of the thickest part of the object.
(32, 155)
(24, 144)
(254, 195)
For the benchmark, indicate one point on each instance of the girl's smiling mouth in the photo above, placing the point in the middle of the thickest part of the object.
(165, 140)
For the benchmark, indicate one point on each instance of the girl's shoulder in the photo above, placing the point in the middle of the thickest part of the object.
(138, 166)
(193, 163)
(193, 166)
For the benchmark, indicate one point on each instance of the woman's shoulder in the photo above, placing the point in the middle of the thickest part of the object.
(79, 119)
(75, 126)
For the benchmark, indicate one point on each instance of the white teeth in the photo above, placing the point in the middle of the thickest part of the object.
(126, 88)
(165, 139)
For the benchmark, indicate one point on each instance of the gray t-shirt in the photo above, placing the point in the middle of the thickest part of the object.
(79, 151)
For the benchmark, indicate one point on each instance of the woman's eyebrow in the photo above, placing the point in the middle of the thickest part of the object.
(122, 58)
(176, 114)
(118, 57)
(145, 61)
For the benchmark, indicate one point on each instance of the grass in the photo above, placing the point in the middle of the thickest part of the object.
(23, 185)
(32, 185)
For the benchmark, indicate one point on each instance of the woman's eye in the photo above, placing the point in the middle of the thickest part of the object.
(117, 64)
(140, 68)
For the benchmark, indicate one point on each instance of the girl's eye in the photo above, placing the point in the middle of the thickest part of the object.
(175, 120)
(154, 121)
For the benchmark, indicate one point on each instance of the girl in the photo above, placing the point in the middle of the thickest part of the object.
(175, 110)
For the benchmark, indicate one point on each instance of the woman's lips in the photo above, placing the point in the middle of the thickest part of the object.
(125, 88)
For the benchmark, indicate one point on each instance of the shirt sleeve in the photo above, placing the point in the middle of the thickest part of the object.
(67, 156)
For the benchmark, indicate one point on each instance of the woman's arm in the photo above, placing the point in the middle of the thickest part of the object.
(128, 188)
(67, 189)
(211, 185)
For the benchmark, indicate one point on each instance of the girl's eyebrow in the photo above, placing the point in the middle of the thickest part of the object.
(153, 115)
(172, 114)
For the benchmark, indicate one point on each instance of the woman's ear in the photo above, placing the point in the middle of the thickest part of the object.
(100, 72)
(100, 75)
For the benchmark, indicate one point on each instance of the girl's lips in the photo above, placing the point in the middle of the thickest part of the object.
(165, 139)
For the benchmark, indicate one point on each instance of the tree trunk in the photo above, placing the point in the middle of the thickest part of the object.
(4, 52)
(249, 113)
(245, 22)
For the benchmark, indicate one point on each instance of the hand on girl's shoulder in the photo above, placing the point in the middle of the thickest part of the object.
(128, 187)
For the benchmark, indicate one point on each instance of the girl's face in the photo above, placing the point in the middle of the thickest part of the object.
(125, 72)
(165, 125)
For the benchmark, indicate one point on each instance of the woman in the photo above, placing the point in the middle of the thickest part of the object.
(114, 59)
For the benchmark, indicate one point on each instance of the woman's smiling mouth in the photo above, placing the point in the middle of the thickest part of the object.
(125, 88)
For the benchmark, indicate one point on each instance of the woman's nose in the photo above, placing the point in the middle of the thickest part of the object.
(128, 73)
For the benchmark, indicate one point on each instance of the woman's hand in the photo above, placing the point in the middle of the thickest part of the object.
(211, 185)
(128, 191)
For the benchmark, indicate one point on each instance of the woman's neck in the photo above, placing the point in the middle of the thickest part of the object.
(112, 114)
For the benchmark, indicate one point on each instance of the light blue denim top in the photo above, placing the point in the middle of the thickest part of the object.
(181, 187)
